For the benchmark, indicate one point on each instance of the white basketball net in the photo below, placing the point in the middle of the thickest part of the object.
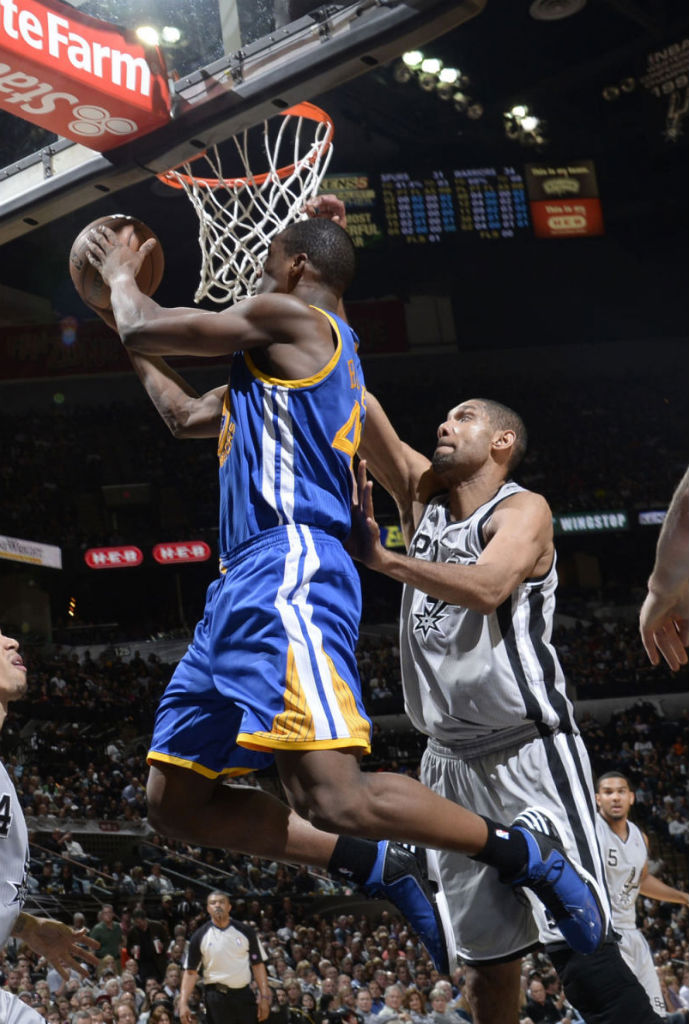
(239, 216)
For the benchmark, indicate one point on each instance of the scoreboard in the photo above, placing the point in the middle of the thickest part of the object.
(423, 209)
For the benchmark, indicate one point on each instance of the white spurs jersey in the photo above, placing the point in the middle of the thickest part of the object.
(473, 680)
(14, 856)
(624, 861)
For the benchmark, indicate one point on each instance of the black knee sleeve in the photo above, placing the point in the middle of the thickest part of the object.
(602, 987)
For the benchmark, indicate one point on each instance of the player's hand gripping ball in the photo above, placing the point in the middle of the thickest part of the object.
(88, 281)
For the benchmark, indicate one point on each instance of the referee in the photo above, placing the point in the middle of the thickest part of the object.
(230, 955)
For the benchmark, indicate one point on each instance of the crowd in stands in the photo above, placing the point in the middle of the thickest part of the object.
(56, 461)
(76, 750)
(324, 961)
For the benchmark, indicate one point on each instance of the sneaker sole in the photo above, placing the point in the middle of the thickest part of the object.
(433, 872)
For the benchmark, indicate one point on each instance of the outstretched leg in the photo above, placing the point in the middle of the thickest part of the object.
(183, 804)
(329, 789)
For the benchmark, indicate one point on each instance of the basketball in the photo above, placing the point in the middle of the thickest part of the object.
(87, 279)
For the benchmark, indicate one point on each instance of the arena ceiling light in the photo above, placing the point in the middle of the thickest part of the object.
(412, 59)
(431, 75)
(170, 35)
(523, 126)
(148, 35)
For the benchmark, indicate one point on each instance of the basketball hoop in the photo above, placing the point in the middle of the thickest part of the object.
(238, 216)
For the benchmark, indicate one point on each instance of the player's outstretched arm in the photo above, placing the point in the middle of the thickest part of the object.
(404, 473)
(519, 536)
(151, 329)
(61, 945)
(182, 409)
(655, 889)
(664, 616)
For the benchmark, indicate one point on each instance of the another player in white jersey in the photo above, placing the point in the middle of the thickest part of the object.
(625, 854)
(59, 944)
(482, 680)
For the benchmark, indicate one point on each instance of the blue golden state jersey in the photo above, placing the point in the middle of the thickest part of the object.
(286, 447)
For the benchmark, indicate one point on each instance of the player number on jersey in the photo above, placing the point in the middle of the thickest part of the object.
(348, 436)
(5, 815)
(612, 858)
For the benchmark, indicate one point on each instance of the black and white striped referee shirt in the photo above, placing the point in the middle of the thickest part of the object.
(225, 956)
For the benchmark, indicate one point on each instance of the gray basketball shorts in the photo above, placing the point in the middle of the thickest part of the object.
(493, 922)
(637, 954)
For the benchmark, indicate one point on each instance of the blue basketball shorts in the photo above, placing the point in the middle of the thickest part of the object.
(272, 663)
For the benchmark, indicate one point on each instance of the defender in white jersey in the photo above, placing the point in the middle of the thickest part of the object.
(625, 854)
(482, 680)
(62, 946)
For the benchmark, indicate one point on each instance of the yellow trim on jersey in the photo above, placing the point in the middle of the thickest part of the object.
(358, 725)
(294, 727)
(269, 742)
(182, 762)
(304, 382)
(295, 723)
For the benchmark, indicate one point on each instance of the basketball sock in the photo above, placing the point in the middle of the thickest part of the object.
(505, 850)
(353, 858)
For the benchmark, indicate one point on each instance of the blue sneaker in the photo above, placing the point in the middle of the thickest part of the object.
(401, 875)
(569, 893)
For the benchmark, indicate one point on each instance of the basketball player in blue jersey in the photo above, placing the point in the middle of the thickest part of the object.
(483, 682)
(271, 672)
(63, 947)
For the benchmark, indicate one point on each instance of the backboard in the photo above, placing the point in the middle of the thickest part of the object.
(231, 63)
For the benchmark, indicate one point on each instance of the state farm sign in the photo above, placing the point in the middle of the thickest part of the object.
(77, 76)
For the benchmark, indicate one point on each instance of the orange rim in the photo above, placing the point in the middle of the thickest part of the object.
(177, 179)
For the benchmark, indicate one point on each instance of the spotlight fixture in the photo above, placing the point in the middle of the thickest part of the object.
(611, 93)
(428, 82)
(412, 58)
(448, 83)
(402, 73)
(148, 35)
(460, 102)
(431, 66)
(523, 126)
(170, 35)
(445, 90)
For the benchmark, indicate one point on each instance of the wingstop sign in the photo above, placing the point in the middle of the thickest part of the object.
(77, 76)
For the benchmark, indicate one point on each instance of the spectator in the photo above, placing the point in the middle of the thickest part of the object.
(146, 944)
(392, 1009)
(158, 883)
(364, 1005)
(108, 932)
(414, 1003)
(539, 1006)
